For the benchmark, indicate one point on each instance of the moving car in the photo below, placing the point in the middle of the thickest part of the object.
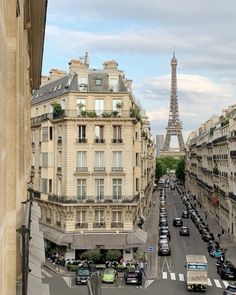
(133, 276)
(109, 275)
(82, 275)
(227, 270)
(177, 221)
(185, 214)
(184, 231)
(164, 249)
(230, 290)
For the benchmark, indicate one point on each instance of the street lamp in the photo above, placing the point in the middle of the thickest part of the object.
(24, 231)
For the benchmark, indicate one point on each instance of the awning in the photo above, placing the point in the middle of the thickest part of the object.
(99, 240)
(56, 236)
(137, 238)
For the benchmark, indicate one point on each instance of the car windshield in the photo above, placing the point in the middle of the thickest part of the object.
(109, 271)
(83, 271)
(165, 246)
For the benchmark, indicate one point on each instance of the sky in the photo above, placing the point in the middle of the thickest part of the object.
(141, 37)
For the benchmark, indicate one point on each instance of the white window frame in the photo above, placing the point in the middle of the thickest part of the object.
(99, 188)
(81, 186)
(117, 188)
(81, 159)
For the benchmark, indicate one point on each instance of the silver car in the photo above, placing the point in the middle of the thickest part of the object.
(230, 290)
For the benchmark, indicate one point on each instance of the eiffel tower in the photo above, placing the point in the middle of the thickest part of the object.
(174, 126)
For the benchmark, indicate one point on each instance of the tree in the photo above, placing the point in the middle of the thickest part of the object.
(57, 109)
(180, 169)
(160, 168)
(93, 255)
(113, 255)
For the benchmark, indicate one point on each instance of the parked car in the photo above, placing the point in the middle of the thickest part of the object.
(185, 214)
(230, 290)
(82, 275)
(227, 270)
(206, 236)
(184, 231)
(164, 232)
(212, 244)
(133, 276)
(164, 249)
(177, 221)
(109, 275)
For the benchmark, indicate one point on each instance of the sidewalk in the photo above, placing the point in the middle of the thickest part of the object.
(225, 242)
(150, 226)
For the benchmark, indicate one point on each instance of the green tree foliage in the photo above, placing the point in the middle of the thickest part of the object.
(93, 255)
(160, 168)
(113, 255)
(180, 169)
(170, 162)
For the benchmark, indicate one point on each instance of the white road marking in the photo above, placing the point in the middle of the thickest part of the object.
(46, 273)
(148, 283)
(172, 276)
(226, 284)
(164, 275)
(181, 277)
(218, 285)
(209, 282)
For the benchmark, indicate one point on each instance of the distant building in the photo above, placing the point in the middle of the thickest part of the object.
(159, 144)
(93, 159)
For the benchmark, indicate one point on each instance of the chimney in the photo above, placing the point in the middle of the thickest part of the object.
(129, 83)
(110, 65)
(75, 65)
(44, 80)
(56, 74)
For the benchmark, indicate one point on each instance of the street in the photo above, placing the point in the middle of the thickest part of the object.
(170, 269)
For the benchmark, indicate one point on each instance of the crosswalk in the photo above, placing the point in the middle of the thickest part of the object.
(180, 277)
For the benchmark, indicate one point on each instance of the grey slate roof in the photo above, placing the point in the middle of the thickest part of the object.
(56, 88)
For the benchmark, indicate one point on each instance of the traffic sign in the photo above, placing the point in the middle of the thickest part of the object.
(150, 249)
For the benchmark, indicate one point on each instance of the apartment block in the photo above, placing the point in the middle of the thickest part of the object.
(211, 168)
(92, 159)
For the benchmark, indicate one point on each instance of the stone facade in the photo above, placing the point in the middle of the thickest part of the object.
(93, 162)
(211, 168)
(19, 74)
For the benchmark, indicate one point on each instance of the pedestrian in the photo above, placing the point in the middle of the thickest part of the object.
(154, 203)
(141, 267)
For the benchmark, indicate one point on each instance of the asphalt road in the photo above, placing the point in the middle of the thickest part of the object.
(170, 269)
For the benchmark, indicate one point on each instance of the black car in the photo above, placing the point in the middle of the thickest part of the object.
(133, 276)
(184, 231)
(206, 236)
(177, 221)
(164, 249)
(230, 290)
(212, 244)
(185, 214)
(227, 270)
(82, 275)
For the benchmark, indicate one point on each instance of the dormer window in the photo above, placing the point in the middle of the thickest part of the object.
(98, 82)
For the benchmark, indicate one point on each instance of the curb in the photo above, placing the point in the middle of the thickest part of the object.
(59, 273)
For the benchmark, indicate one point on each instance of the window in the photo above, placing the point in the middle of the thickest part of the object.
(81, 160)
(116, 161)
(33, 159)
(63, 104)
(81, 216)
(117, 189)
(113, 84)
(80, 105)
(137, 184)
(116, 216)
(117, 134)
(45, 160)
(50, 133)
(99, 216)
(81, 133)
(59, 186)
(98, 82)
(44, 185)
(115, 104)
(99, 133)
(81, 188)
(99, 106)
(137, 159)
(99, 186)
(50, 186)
(59, 159)
(44, 133)
(99, 161)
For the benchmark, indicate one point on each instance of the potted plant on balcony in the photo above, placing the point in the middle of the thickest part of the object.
(57, 110)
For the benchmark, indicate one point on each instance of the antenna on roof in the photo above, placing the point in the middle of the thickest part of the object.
(86, 61)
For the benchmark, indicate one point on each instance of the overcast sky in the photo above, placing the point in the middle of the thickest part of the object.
(140, 36)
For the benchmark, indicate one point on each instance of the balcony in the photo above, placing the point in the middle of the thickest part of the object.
(117, 224)
(81, 225)
(99, 140)
(99, 225)
(232, 196)
(117, 169)
(99, 169)
(81, 140)
(81, 169)
(117, 140)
